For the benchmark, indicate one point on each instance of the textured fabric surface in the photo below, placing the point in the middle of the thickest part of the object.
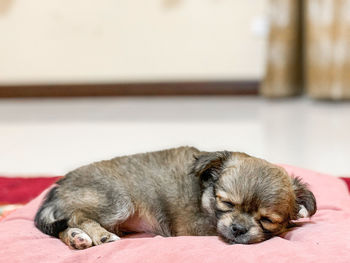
(347, 181)
(16, 191)
(20, 190)
(324, 238)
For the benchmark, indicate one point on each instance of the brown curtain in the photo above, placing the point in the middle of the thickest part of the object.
(308, 49)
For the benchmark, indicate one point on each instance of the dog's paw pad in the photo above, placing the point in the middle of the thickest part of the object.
(78, 239)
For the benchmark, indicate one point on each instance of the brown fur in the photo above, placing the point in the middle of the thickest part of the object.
(180, 191)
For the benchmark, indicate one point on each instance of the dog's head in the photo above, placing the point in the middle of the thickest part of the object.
(250, 199)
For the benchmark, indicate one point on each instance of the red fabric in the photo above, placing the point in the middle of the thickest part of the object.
(17, 190)
(347, 181)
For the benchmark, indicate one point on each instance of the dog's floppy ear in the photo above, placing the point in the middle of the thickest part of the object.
(305, 199)
(209, 164)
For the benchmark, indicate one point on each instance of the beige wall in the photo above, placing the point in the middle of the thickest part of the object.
(129, 40)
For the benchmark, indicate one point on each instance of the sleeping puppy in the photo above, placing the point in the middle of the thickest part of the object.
(174, 192)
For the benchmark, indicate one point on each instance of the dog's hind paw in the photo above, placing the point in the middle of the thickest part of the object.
(105, 237)
(78, 239)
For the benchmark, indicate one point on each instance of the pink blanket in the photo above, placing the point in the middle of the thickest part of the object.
(324, 238)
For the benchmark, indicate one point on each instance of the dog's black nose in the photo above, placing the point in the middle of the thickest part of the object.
(238, 230)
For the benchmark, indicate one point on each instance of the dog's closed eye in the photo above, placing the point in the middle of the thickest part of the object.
(228, 204)
(269, 224)
(266, 220)
(224, 205)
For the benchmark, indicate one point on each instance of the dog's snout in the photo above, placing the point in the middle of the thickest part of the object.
(238, 230)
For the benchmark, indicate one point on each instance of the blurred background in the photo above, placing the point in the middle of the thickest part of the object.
(82, 81)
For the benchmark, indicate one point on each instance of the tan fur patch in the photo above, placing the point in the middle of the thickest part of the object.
(225, 220)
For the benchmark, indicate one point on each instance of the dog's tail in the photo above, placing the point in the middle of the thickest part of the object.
(49, 219)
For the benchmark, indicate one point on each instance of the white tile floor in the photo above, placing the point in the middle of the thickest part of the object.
(52, 136)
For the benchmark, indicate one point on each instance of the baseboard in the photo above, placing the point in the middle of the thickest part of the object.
(241, 87)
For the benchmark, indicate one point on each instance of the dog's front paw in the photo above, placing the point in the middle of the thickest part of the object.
(78, 239)
(104, 237)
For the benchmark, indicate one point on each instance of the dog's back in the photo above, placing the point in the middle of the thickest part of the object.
(112, 191)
